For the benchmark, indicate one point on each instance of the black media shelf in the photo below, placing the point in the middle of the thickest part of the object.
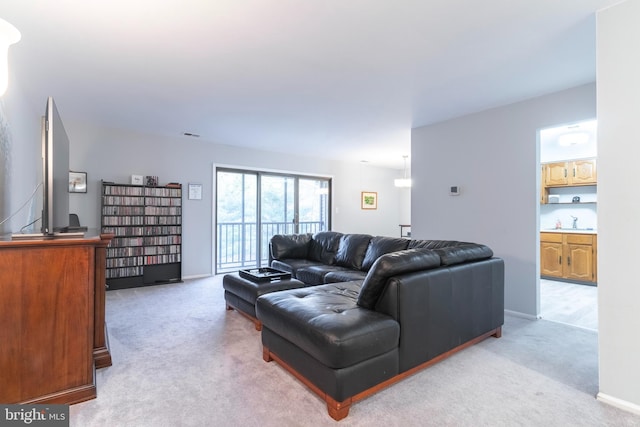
(147, 224)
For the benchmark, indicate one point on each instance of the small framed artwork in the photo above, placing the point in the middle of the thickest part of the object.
(151, 180)
(195, 191)
(369, 200)
(77, 182)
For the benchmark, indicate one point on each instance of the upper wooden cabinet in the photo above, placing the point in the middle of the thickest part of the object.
(555, 174)
(572, 173)
(575, 172)
(583, 172)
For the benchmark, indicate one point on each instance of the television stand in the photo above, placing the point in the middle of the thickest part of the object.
(53, 319)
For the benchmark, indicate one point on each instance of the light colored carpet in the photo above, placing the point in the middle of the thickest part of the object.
(181, 359)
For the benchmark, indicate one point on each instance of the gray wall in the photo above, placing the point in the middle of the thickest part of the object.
(114, 155)
(618, 70)
(494, 157)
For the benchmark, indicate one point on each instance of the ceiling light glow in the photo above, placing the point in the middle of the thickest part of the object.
(573, 138)
(8, 36)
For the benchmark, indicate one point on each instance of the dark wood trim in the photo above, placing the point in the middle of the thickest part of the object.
(498, 333)
(339, 410)
(69, 397)
(101, 353)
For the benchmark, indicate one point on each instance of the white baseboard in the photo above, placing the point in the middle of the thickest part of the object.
(522, 315)
(196, 276)
(618, 403)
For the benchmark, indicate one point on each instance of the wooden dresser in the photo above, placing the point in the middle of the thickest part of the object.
(52, 327)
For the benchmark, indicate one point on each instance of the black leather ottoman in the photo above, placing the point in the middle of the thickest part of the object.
(241, 293)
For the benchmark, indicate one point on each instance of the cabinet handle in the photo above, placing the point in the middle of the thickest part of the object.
(574, 172)
(560, 260)
(568, 260)
(565, 172)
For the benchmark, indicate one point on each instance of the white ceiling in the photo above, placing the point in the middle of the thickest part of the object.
(328, 78)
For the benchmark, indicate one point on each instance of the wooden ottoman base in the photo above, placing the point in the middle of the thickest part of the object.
(339, 410)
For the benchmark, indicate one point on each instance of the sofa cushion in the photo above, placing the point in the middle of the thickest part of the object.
(352, 250)
(379, 246)
(314, 274)
(344, 275)
(393, 264)
(323, 247)
(292, 265)
(326, 323)
(289, 246)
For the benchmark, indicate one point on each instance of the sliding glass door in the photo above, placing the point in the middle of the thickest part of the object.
(252, 206)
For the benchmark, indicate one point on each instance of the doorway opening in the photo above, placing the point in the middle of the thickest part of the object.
(568, 224)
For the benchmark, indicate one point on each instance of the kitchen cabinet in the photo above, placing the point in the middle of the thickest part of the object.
(574, 173)
(570, 256)
(555, 174)
(570, 173)
(551, 254)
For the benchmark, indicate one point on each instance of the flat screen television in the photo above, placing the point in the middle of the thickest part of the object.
(55, 172)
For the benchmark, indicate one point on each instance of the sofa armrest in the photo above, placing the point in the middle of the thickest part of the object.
(292, 246)
(440, 308)
(393, 264)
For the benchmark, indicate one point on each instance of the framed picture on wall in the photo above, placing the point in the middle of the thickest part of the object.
(77, 182)
(369, 200)
(195, 191)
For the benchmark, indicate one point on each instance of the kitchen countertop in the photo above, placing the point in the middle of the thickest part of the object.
(569, 230)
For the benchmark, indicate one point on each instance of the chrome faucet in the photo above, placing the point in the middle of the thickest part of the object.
(575, 221)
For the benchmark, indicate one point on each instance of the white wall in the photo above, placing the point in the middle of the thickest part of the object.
(494, 157)
(114, 155)
(618, 71)
(587, 214)
(20, 145)
(405, 205)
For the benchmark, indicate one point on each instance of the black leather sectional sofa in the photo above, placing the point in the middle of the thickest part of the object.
(383, 308)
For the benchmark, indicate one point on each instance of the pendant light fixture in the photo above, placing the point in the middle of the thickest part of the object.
(573, 138)
(8, 36)
(403, 182)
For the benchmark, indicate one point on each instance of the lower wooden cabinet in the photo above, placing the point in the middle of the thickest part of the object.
(551, 255)
(52, 327)
(569, 256)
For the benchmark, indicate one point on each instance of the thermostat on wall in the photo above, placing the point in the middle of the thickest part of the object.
(454, 190)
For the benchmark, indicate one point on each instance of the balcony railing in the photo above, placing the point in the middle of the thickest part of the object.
(237, 246)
